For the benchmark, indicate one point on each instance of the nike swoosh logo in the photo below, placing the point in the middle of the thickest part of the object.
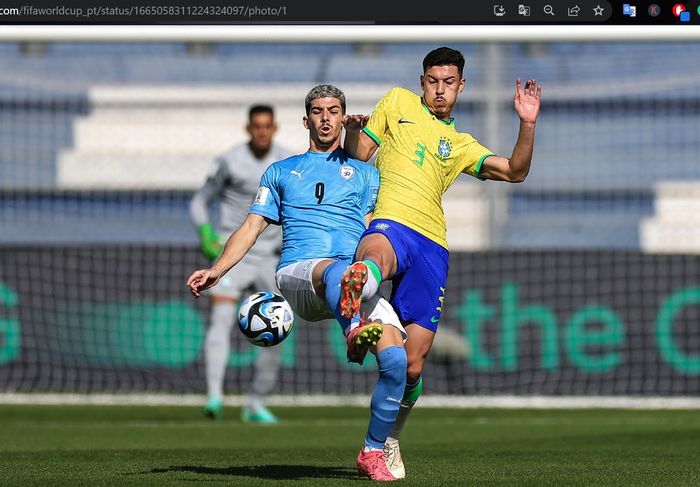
(401, 120)
(434, 319)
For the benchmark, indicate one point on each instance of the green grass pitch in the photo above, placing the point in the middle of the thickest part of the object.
(134, 445)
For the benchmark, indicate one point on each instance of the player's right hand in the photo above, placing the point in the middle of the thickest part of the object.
(210, 241)
(202, 279)
(355, 123)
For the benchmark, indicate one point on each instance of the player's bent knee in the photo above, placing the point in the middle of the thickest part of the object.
(378, 248)
(391, 337)
(392, 365)
(413, 371)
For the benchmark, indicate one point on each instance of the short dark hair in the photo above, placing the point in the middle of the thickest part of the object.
(444, 56)
(324, 91)
(255, 109)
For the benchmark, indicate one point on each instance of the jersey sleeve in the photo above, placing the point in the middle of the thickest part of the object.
(371, 190)
(212, 188)
(472, 157)
(378, 122)
(267, 199)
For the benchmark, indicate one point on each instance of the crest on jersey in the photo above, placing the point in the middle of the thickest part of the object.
(381, 226)
(347, 172)
(444, 149)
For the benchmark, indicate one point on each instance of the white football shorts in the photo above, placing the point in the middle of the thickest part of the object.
(295, 283)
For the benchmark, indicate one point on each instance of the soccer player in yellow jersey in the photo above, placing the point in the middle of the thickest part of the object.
(420, 156)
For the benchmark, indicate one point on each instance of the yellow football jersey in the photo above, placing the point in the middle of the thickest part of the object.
(419, 157)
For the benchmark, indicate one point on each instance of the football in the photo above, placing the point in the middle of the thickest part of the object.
(265, 318)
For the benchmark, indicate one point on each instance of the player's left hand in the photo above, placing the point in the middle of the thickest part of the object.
(211, 242)
(527, 100)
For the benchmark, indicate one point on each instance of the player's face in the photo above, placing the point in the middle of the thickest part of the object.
(261, 129)
(325, 123)
(441, 85)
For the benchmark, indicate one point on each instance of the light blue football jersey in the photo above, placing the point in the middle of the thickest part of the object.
(320, 199)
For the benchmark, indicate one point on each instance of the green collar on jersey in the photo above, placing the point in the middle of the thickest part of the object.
(451, 122)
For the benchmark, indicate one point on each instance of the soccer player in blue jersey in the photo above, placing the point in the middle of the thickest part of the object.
(420, 156)
(323, 200)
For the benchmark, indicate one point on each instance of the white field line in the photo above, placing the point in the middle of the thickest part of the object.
(433, 401)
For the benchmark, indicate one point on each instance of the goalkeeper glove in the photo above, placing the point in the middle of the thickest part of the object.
(210, 241)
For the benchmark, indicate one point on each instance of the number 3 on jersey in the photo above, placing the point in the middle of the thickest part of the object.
(320, 191)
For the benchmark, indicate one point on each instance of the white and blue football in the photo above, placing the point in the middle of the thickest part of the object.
(265, 318)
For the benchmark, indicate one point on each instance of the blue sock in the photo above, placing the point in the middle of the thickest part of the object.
(386, 398)
(331, 278)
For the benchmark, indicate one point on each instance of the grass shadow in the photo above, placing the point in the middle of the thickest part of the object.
(272, 472)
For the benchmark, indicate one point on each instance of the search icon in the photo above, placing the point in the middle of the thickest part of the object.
(549, 10)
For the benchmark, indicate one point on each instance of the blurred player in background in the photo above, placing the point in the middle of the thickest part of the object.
(233, 182)
(323, 200)
(420, 156)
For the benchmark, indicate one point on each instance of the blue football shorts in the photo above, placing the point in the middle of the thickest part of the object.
(419, 284)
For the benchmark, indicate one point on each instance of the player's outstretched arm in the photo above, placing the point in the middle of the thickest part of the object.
(527, 105)
(358, 144)
(237, 246)
(210, 241)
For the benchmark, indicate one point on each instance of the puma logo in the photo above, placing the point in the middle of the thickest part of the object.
(298, 173)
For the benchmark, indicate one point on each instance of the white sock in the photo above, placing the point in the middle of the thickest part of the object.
(372, 285)
(217, 347)
(265, 373)
(404, 411)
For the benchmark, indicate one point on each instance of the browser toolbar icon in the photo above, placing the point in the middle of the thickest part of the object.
(574, 11)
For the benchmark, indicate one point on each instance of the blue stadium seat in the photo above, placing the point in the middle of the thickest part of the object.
(115, 48)
(596, 142)
(282, 49)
